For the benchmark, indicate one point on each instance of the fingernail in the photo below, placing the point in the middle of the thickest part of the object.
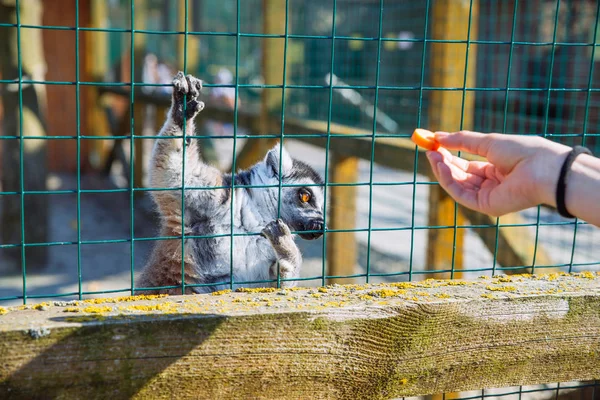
(441, 135)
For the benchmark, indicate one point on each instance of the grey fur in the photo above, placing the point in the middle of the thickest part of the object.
(208, 212)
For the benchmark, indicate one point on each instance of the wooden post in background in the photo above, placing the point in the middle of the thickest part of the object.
(181, 14)
(97, 67)
(341, 246)
(450, 21)
(34, 160)
(191, 52)
(273, 60)
(141, 13)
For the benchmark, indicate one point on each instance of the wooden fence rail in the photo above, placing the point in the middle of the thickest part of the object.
(338, 342)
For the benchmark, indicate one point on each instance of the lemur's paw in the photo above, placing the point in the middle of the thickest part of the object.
(180, 84)
(287, 270)
(188, 88)
(288, 284)
(193, 108)
(194, 85)
(189, 85)
(275, 231)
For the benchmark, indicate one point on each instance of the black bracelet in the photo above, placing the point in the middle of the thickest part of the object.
(561, 186)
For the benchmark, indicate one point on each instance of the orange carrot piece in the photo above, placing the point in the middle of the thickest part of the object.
(425, 139)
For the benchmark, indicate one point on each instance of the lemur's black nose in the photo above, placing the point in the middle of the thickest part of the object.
(316, 226)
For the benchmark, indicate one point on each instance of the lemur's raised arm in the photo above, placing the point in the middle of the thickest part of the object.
(167, 156)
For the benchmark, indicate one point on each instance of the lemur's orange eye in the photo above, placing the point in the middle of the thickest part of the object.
(304, 196)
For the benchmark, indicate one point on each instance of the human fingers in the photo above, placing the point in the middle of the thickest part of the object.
(451, 158)
(504, 152)
(472, 142)
(434, 157)
(471, 172)
(467, 180)
(472, 167)
(466, 196)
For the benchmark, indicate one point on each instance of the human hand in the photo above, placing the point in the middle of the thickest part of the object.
(520, 171)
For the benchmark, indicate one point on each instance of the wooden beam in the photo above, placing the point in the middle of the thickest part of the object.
(344, 342)
(98, 55)
(139, 108)
(273, 50)
(273, 61)
(97, 67)
(516, 245)
(341, 246)
(451, 20)
(139, 112)
(33, 109)
(191, 52)
(445, 246)
(181, 14)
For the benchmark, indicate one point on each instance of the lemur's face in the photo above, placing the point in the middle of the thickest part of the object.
(302, 208)
(302, 198)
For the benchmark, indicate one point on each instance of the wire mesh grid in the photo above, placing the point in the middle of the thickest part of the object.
(366, 65)
(572, 390)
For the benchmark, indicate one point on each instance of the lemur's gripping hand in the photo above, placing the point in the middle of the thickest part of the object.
(190, 86)
(288, 255)
(277, 232)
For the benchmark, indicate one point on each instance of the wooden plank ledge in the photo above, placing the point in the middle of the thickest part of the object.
(338, 342)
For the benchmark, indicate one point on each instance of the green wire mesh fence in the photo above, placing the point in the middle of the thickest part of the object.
(361, 64)
(368, 66)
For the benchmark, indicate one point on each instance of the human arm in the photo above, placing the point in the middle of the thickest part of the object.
(582, 197)
(520, 172)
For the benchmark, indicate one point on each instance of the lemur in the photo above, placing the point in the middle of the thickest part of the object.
(208, 211)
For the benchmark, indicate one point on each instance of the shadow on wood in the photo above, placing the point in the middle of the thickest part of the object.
(116, 358)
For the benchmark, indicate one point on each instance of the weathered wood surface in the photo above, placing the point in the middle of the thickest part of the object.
(339, 342)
